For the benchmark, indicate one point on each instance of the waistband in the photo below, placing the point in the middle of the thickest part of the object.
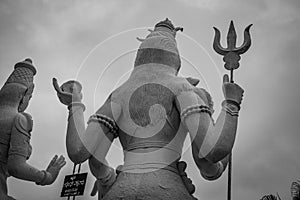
(148, 167)
(153, 144)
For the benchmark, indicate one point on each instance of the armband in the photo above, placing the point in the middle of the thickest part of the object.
(24, 124)
(76, 104)
(106, 121)
(195, 109)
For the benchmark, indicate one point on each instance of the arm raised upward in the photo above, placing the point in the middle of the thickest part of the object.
(211, 142)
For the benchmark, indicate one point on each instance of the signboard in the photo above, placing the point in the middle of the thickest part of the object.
(74, 185)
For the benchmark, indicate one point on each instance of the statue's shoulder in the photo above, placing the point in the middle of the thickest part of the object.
(205, 96)
(180, 84)
(24, 123)
(188, 85)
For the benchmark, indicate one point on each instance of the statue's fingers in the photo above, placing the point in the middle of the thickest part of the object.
(56, 86)
(95, 189)
(60, 160)
(60, 98)
(53, 160)
(64, 93)
(193, 81)
(225, 78)
(62, 164)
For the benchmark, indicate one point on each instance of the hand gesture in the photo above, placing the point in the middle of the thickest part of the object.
(53, 169)
(68, 92)
(232, 91)
(100, 189)
(193, 81)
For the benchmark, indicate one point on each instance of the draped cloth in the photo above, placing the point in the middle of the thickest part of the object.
(161, 184)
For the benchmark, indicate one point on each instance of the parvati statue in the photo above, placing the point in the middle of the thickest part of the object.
(15, 132)
(151, 114)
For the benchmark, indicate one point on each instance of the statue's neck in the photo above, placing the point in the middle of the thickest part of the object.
(154, 68)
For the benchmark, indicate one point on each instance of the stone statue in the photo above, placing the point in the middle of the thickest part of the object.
(151, 114)
(270, 197)
(15, 132)
(295, 190)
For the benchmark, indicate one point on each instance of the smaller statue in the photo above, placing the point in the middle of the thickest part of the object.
(271, 197)
(15, 132)
(295, 190)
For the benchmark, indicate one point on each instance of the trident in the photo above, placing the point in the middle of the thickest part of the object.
(231, 58)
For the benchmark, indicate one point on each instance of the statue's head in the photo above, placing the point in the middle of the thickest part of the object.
(160, 46)
(19, 86)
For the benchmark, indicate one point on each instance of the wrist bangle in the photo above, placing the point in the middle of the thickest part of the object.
(44, 179)
(230, 110)
(109, 178)
(228, 101)
(76, 104)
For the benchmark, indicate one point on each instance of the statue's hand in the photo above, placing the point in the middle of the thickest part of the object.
(68, 92)
(232, 91)
(53, 169)
(100, 189)
(193, 81)
(181, 165)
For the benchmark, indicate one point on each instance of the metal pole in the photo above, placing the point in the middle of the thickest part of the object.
(229, 177)
(74, 167)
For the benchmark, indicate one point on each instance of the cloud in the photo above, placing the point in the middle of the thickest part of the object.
(278, 12)
(59, 34)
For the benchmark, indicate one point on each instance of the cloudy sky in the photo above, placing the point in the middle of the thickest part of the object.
(95, 42)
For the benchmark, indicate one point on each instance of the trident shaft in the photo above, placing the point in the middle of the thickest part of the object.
(231, 58)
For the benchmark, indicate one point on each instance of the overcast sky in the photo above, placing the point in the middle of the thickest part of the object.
(80, 39)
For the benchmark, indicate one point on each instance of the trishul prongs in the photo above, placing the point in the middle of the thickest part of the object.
(232, 53)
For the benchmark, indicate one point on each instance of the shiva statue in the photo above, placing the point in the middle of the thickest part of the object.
(151, 114)
(15, 132)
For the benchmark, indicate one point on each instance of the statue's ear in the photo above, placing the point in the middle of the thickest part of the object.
(29, 90)
(193, 81)
(25, 99)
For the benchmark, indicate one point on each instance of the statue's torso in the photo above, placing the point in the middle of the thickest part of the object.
(149, 126)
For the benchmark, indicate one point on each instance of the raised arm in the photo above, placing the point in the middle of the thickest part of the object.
(211, 143)
(83, 142)
(20, 150)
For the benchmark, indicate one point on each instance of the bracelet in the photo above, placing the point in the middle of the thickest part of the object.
(76, 104)
(228, 101)
(106, 121)
(44, 179)
(109, 178)
(230, 110)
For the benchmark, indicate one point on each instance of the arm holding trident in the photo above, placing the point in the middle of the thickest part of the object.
(212, 143)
